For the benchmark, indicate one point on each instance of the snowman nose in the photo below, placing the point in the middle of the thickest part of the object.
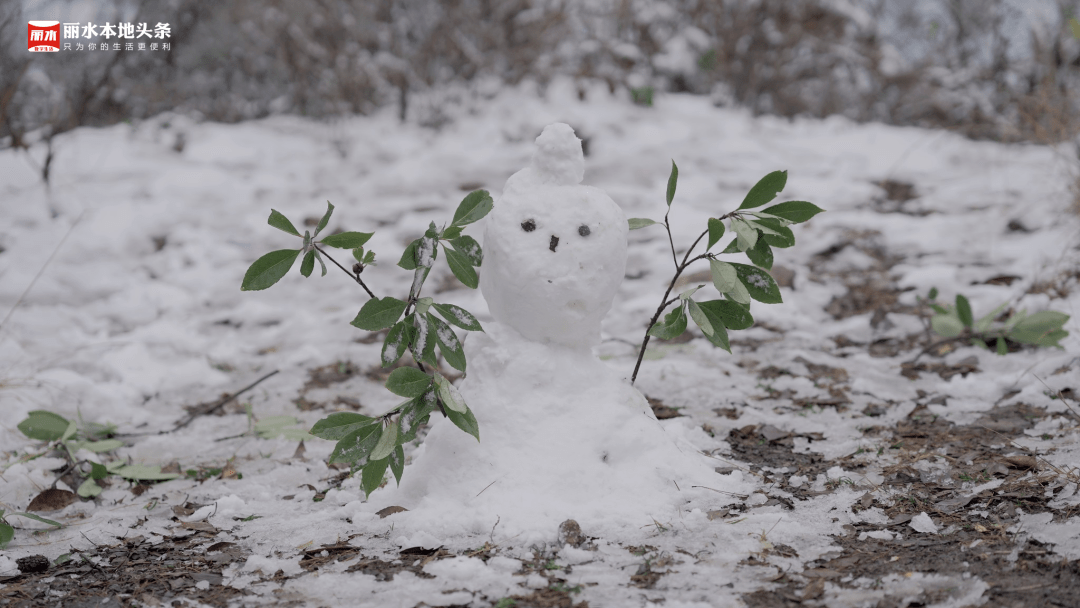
(554, 242)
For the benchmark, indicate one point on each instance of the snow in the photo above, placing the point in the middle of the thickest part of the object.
(118, 330)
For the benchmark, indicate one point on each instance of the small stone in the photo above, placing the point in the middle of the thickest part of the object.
(32, 564)
(570, 534)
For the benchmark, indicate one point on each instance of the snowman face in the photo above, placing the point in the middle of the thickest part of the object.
(554, 257)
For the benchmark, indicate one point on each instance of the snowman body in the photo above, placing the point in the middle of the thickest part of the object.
(561, 434)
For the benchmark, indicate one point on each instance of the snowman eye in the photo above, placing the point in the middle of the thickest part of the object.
(528, 225)
(583, 230)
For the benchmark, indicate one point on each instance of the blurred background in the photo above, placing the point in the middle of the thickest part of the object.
(1004, 70)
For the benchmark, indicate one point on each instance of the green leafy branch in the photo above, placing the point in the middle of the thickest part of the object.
(755, 234)
(416, 324)
(957, 324)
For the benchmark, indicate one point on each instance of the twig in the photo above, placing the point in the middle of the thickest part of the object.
(485, 490)
(1060, 396)
(679, 268)
(42, 270)
(219, 404)
(355, 277)
(723, 492)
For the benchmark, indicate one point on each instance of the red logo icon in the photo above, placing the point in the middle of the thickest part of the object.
(43, 36)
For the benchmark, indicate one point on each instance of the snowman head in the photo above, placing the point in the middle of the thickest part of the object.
(554, 250)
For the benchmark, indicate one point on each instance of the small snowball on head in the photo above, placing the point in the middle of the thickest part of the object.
(558, 159)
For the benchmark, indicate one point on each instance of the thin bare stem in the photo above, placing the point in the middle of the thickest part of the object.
(665, 302)
(218, 404)
(42, 270)
(355, 277)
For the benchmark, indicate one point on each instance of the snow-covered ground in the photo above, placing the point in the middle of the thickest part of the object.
(140, 313)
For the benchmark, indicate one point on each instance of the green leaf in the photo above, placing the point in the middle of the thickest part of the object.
(724, 276)
(765, 190)
(450, 232)
(933, 294)
(449, 344)
(963, 311)
(468, 247)
(422, 305)
(387, 443)
(44, 426)
(671, 180)
(308, 264)
(673, 326)
(378, 314)
(457, 315)
(355, 446)
(1002, 347)
(1041, 329)
(640, 222)
(747, 235)
(758, 284)
(423, 344)
(426, 253)
(347, 240)
(69, 432)
(88, 489)
(339, 424)
(98, 471)
(762, 227)
(727, 313)
(416, 413)
(947, 326)
(719, 336)
(7, 534)
(373, 474)
(794, 211)
(1074, 27)
(269, 269)
(783, 239)
(449, 395)
(739, 294)
(716, 232)
(369, 258)
(279, 221)
(761, 254)
(462, 268)
(408, 257)
(408, 382)
(464, 421)
(279, 426)
(322, 264)
(397, 342)
(473, 207)
(732, 247)
(325, 218)
(980, 343)
(397, 463)
(105, 445)
(699, 317)
(50, 522)
(144, 472)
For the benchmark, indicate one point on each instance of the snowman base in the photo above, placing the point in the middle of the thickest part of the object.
(562, 436)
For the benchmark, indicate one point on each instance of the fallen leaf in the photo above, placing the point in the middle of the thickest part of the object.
(388, 511)
(1021, 461)
(52, 500)
(200, 526)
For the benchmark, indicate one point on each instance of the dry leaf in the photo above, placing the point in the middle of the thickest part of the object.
(52, 500)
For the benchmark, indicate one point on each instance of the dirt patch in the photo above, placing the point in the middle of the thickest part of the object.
(135, 570)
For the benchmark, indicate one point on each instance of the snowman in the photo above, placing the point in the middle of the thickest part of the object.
(562, 435)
